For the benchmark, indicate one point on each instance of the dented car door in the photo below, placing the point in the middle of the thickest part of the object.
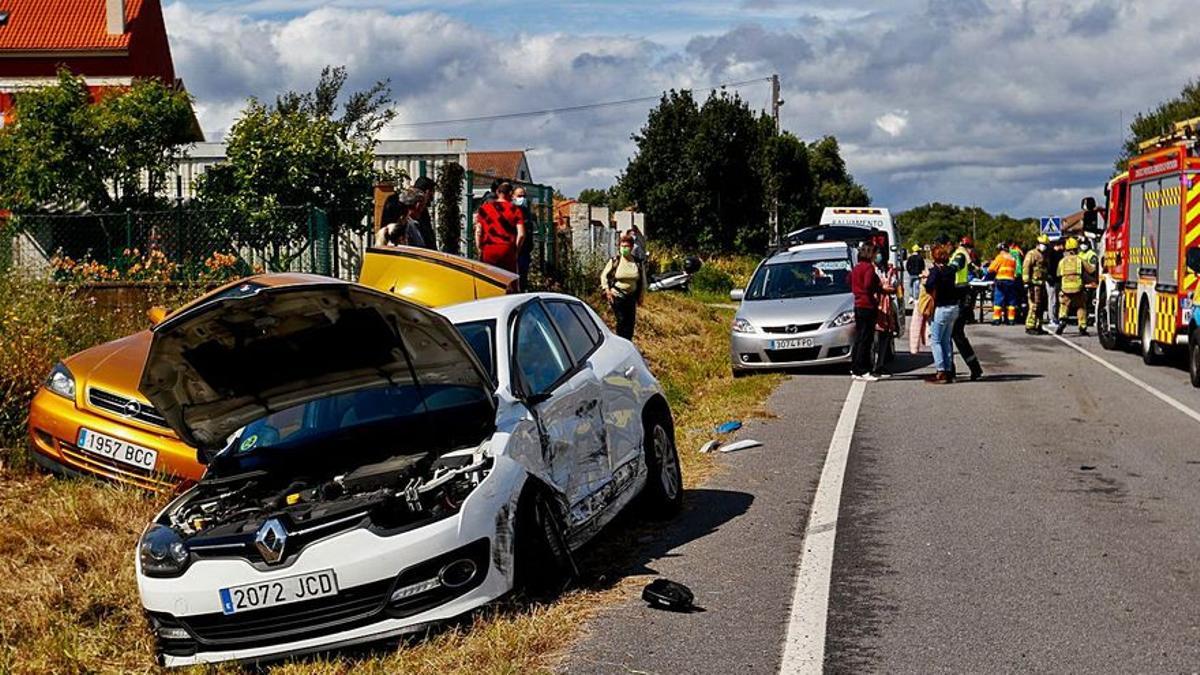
(564, 396)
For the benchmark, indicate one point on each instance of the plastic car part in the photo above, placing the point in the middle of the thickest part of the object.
(671, 595)
(740, 445)
(729, 427)
(710, 446)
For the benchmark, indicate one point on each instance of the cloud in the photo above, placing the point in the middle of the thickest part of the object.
(1009, 104)
(893, 123)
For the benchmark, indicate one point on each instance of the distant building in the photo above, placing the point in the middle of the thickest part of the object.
(499, 164)
(109, 42)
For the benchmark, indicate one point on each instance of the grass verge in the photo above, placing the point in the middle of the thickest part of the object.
(66, 546)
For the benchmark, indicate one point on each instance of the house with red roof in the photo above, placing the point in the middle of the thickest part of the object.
(109, 42)
(493, 165)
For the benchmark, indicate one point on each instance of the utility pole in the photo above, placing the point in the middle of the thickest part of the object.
(775, 225)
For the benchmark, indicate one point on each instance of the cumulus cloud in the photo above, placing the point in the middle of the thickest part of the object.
(1011, 105)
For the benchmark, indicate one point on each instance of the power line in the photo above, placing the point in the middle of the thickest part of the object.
(567, 109)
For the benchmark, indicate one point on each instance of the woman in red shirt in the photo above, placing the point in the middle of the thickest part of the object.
(500, 230)
(865, 285)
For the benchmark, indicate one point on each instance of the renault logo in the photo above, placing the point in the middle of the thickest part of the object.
(131, 409)
(270, 540)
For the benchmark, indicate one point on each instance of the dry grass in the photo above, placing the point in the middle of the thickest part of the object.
(70, 601)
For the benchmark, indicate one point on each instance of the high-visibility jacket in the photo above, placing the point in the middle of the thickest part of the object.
(1034, 269)
(1004, 266)
(1070, 272)
(1019, 256)
(1089, 258)
(961, 262)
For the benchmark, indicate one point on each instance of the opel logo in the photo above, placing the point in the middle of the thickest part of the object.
(270, 540)
(131, 409)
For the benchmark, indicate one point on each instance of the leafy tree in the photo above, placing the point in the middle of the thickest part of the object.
(298, 152)
(450, 189)
(64, 149)
(786, 173)
(594, 196)
(1156, 122)
(925, 224)
(834, 186)
(729, 208)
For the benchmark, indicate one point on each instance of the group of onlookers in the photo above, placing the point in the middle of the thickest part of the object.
(407, 217)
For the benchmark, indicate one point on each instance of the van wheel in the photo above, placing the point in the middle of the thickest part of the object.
(663, 495)
(1150, 356)
(542, 563)
(1194, 357)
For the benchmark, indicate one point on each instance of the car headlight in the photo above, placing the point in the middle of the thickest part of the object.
(61, 381)
(162, 552)
(741, 325)
(843, 319)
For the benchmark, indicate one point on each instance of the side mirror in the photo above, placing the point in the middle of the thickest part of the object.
(737, 294)
(1193, 260)
(156, 315)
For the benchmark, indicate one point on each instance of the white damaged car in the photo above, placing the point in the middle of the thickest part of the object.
(375, 466)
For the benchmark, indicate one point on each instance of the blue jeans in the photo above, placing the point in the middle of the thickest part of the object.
(914, 287)
(941, 332)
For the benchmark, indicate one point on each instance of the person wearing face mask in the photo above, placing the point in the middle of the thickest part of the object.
(525, 255)
(1090, 280)
(624, 286)
(1034, 276)
(501, 231)
(887, 321)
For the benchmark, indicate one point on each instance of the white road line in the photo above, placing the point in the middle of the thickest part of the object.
(1149, 389)
(804, 645)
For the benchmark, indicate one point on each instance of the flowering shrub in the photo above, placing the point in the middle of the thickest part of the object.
(220, 267)
(66, 268)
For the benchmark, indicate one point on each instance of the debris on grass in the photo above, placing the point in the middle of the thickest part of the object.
(740, 445)
(729, 427)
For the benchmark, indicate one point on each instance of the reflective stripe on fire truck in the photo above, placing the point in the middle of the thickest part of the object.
(1166, 317)
(1131, 319)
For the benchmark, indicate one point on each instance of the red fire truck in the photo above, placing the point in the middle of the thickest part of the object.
(1151, 246)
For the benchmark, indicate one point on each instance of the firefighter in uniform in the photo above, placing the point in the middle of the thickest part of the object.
(961, 263)
(1034, 276)
(1071, 270)
(1004, 266)
(1090, 280)
(1019, 295)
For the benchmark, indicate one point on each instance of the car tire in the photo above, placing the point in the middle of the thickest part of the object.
(1150, 356)
(1194, 357)
(542, 563)
(663, 495)
(1110, 339)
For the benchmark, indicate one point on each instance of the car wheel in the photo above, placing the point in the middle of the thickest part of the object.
(1149, 355)
(542, 563)
(664, 479)
(1194, 358)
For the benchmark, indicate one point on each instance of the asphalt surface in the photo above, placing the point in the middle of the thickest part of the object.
(1041, 519)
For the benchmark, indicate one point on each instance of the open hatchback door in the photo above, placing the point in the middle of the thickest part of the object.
(246, 351)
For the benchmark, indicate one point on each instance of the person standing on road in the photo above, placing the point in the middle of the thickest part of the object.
(525, 255)
(866, 287)
(940, 283)
(1034, 276)
(1091, 280)
(961, 264)
(1004, 266)
(887, 320)
(624, 285)
(1019, 280)
(914, 267)
(1053, 255)
(501, 230)
(1071, 271)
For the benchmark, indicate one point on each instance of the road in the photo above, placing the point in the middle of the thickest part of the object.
(1041, 519)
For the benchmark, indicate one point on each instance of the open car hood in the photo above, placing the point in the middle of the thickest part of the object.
(249, 350)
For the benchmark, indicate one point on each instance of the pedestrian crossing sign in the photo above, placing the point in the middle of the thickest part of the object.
(1052, 226)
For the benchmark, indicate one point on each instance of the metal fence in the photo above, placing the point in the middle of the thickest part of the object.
(186, 242)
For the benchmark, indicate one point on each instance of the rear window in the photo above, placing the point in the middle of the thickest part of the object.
(481, 336)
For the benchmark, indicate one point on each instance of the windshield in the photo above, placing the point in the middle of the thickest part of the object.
(800, 279)
(347, 429)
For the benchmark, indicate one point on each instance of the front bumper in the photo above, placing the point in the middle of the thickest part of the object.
(369, 568)
(754, 351)
(54, 424)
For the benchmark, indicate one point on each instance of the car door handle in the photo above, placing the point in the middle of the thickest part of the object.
(630, 372)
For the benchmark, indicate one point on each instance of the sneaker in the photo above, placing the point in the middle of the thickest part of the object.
(867, 378)
(882, 375)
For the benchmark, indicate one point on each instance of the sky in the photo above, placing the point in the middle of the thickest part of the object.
(1018, 106)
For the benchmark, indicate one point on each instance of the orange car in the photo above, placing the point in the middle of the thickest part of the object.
(90, 419)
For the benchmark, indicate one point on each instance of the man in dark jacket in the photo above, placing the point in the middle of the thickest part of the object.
(425, 186)
(914, 267)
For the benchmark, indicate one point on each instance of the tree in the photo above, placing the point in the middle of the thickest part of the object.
(450, 189)
(594, 196)
(64, 149)
(925, 224)
(834, 186)
(1156, 122)
(786, 172)
(297, 153)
